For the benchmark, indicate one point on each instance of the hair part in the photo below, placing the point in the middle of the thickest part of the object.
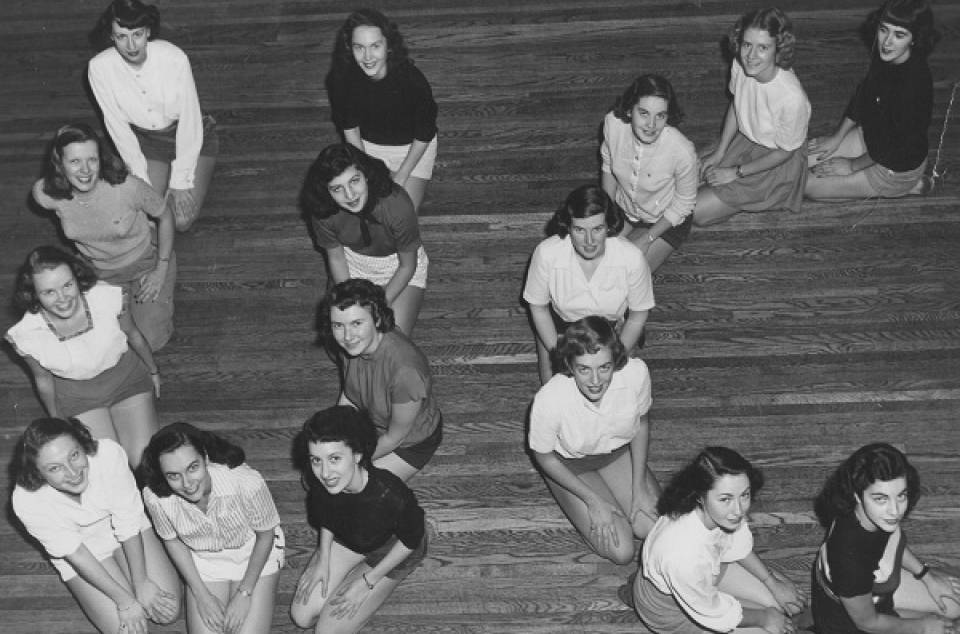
(211, 446)
(47, 258)
(648, 85)
(332, 161)
(55, 182)
(588, 336)
(36, 436)
(776, 24)
(586, 201)
(129, 14)
(340, 423)
(396, 48)
(687, 487)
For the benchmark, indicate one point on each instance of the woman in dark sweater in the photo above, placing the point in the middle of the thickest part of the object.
(372, 529)
(880, 147)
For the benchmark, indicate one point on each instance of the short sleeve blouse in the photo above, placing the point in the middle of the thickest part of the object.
(394, 228)
(774, 114)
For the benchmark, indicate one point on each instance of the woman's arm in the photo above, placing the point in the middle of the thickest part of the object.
(133, 618)
(643, 505)
(823, 147)
(414, 154)
(788, 596)
(158, 603)
(727, 135)
(407, 266)
(940, 585)
(545, 329)
(46, 388)
(352, 136)
(102, 82)
(208, 605)
(316, 571)
(401, 422)
(773, 158)
(139, 345)
(864, 615)
(337, 264)
(608, 182)
(152, 282)
(632, 328)
(239, 605)
(350, 598)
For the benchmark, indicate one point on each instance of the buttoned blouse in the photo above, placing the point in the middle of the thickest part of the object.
(153, 97)
(240, 504)
(620, 281)
(563, 420)
(774, 114)
(82, 356)
(654, 180)
(683, 558)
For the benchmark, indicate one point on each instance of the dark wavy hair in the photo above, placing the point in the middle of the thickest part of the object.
(648, 85)
(584, 202)
(343, 52)
(129, 14)
(914, 15)
(170, 438)
(353, 292)
(588, 336)
(37, 434)
(688, 486)
(332, 161)
(55, 183)
(871, 463)
(776, 23)
(340, 423)
(47, 258)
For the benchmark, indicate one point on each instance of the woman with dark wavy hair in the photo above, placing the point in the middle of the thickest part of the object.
(145, 89)
(381, 101)
(759, 162)
(383, 373)
(589, 435)
(880, 147)
(87, 357)
(116, 221)
(219, 525)
(367, 227)
(585, 268)
(858, 582)
(698, 571)
(649, 168)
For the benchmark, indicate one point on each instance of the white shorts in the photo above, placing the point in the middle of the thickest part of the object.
(231, 564)
(380, 269)
(100, 541)
(393, 156)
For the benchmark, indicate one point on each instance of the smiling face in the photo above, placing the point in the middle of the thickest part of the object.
(893, 43)
(370, 51)
(63, 465)
(648, 118)
(355, 330)
(80, 164)
(726, 504)
(57, 291)
(593, 373)
(337, 466)
(589, 236)
(758, 54)
(882, 505)
(185, 471)
(349, 190)
(131, 43)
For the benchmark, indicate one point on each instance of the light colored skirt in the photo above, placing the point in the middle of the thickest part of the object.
(380, 269)
(99, 540)
(393, 156)
(231, 564)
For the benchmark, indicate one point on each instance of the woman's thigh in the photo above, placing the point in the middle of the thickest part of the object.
(100, 423)
(260, 616)
(848, 187)
(98, 607)
(737, 581)
(135, 421)
(159, 173)
(912, 596)
(342, 561)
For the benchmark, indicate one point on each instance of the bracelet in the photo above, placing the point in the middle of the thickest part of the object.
(166, 259)
(129, 607)
(366, 581)
(245, 592)
(651, 237)
(740, 173)
(924, 569)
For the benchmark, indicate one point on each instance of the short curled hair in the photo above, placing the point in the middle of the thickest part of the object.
(333, 160)
(871, 463)
(688, 486)
(340, 423)
(36, 436)
(129, 14)
(343, 52)
(170, 438)
(354, 292)
(588, 336)
(584, 202)
(777, 25)
(648, 85)
(55, 183)
(914, 15)
(47, 258)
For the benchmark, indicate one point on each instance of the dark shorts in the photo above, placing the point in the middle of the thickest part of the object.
(674, 236)
(127, 378)
(161, 145)
(405, 567)
(593, 463)
(418, 455)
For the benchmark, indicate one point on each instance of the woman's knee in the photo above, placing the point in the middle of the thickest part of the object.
(303, 616)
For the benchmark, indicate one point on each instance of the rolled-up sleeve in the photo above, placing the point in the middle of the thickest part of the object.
(692, 585)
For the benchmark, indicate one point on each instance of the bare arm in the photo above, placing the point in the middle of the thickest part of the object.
(643, 506)
(543, 325)
(414, 154)
(132, 616)
(152, 281)
(337, 265)
(208, 605)
(46, 388)
(352, 136)
(401, 422)
(142, 349)
(407, 266)
(239, 604)
(633, 327)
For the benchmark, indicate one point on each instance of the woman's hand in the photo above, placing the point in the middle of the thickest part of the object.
(183, 206)
(399, 178)
(236, 613)
(160, 605)
(643, 510)
(788, 596)
(776, 622)
(933, 624)
(151, 283)
(602, 526)
(133, 618)
(707, 161)
(210, 609)
(316, 572)
(839, 166)
(823, 147)
(942, 588)
(716, 176)
(349, 598)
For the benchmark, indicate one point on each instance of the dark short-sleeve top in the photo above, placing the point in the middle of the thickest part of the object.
(893, 106)
(365, 521)
(394, 110)
(395, 229)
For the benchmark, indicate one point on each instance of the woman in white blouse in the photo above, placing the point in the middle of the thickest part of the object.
(145, 89)
(589, 436)
(698, 569)
(584, 269)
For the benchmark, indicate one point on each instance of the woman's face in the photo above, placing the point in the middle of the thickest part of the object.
(725, 505)
(57, 291)
(370, 51)
(349, 190)
(186, 473)
(131, 43)
(63, 465)
(589, 236)
(894, 43)
(882, 505)
(80, 164)
(355, 330)
(336, 466)
(648, 118)
(758, 54)
(593, 373)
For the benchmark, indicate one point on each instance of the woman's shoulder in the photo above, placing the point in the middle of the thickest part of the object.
(243, 475)
(107, 57)
(399, 350)
(388, 481)
(679, 140)
(170, 51)
(635, 369)
(396, 204)
(552, 246)
(621, 247)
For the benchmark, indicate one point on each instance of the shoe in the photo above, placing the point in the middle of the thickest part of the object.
(625, 592)
(924, 186)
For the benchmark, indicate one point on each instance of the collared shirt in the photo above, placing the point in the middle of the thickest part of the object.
(565, 421)
(683, 558)
(654, 181)
(153, 97)
(240, 504)
(621, 280)
(773, 114)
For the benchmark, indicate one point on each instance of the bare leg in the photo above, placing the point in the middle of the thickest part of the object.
(417, 188)
(397, 466)
(159, 173)
(98, 607)
(330, 624)
(657, 253)
(342, 561)
(618, 476)
(259, 618)
(735, 580)
(850, 187)
(710, 210)
(100, 423)
(912, 597)
(135, 421)
(406, 308)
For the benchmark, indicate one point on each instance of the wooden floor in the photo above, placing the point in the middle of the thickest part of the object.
(794, 338)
